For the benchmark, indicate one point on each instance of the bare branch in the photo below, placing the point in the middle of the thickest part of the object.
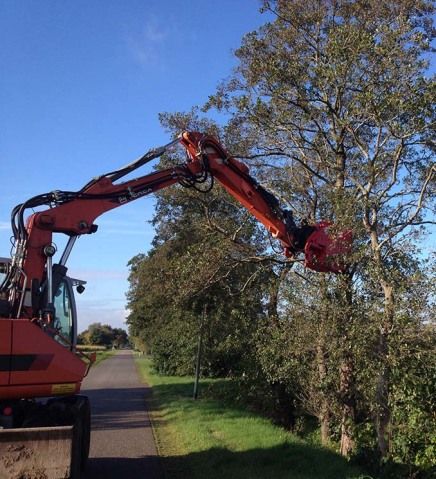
(418, 209)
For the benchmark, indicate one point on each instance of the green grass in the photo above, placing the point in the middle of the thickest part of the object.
(210, 439)
(101, 353)
(90, 347)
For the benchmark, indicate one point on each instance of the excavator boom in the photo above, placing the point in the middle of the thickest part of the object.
(74, 213)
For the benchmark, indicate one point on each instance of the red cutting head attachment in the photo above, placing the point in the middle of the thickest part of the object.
(325, 252)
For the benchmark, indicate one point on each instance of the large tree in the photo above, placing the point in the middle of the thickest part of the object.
(331, 106)
(206, 252)
(338, 93)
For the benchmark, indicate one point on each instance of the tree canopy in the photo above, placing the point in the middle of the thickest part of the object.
(99, 334)
(332, 106)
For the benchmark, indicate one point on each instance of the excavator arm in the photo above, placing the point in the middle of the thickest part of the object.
(74, 213)
(322, 252)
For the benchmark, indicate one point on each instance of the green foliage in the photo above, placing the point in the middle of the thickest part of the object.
(103, 335)
(413, 397)
(332, 108)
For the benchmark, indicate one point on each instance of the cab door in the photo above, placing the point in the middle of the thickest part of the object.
(65, 319)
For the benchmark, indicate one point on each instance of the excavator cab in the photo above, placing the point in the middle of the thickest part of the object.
(64, 327)
(34, 364)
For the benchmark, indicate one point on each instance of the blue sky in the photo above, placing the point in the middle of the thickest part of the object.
(81, 87)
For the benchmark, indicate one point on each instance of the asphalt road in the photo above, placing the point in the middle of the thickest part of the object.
(122, 444)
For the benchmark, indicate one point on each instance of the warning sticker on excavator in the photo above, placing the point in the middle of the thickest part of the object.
(65, 388)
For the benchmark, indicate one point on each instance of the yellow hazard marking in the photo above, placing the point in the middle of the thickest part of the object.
(65, 388)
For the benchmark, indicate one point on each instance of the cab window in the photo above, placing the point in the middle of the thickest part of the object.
(64, 314)
(4, 266)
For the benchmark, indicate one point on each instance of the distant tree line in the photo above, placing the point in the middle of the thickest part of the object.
(99, 334)
(332, 107)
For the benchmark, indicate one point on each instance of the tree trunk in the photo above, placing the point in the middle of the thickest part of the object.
(274, 291)
(382, 419)
(348, 406)
(347, 390)
(324, 413)
(382, 409)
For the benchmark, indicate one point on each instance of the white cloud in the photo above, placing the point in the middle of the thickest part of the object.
(153, 32)
(147, 46)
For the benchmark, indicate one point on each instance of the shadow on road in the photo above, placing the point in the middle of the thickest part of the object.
(123, 468)
(119, 408)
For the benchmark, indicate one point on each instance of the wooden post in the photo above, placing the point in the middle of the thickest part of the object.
(199, 352)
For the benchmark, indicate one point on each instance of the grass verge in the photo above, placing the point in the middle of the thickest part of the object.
(100, 351)
(210, 439)
(102, 355)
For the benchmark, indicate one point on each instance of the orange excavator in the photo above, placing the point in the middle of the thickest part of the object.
(44, 421)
